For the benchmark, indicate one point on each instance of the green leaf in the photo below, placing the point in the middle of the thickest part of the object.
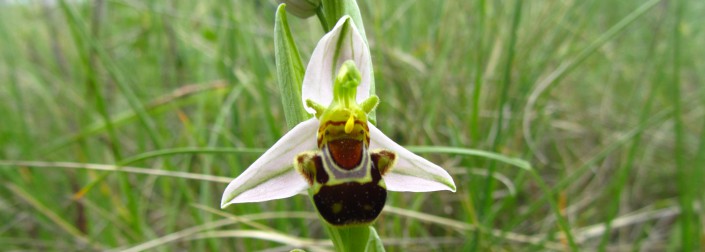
(290, 70)
(523, 164)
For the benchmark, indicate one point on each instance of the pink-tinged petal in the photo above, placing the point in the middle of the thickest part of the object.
(272, 176)
(342, 43)
(411, 173)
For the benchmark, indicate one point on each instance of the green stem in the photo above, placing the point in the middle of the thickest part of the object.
(690, 230)
(479, 69)
(349, 239)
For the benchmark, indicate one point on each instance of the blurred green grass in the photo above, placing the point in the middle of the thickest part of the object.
(603, 98)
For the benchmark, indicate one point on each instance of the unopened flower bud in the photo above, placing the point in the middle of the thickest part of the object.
(301, 8)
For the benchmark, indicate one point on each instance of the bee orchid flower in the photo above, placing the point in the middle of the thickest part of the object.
(344, 161)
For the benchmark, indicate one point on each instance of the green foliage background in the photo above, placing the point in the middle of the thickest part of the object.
(605, 99)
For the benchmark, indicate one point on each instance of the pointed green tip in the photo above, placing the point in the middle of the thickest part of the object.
(225, 202)
(452, 186)
(370, 104)
(316, 106)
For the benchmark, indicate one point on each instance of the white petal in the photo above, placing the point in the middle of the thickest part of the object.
(323, 66)
(411, 173)
(272, 176)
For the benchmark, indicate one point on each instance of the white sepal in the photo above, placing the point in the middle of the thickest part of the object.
(411, 173)
(342, 43)
(272, 176)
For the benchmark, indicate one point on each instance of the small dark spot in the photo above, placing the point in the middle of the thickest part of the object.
(321, 175)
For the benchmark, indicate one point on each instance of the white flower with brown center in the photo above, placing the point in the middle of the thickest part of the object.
(345, 162)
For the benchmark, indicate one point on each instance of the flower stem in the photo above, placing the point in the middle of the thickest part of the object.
(349, 239)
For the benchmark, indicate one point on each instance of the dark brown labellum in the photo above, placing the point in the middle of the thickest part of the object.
(345, 176)
(351, 203)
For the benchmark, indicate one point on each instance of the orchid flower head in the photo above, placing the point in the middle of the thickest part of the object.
(338, 151)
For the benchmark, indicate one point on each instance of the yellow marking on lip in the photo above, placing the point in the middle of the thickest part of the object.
(350, 124)
(337, 207)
